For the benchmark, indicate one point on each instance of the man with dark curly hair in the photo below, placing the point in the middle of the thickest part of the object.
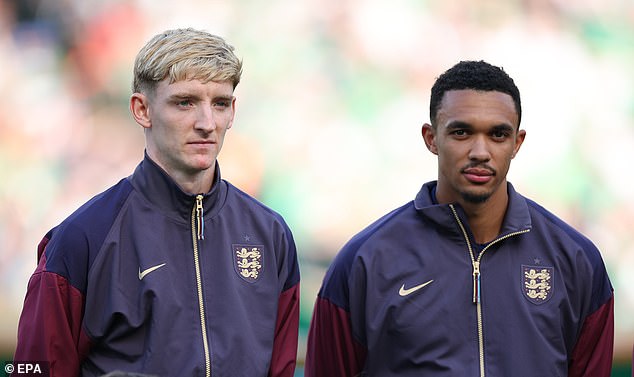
(470, 278)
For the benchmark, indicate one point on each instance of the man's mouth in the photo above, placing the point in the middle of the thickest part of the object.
(201, 142)
(478, 175)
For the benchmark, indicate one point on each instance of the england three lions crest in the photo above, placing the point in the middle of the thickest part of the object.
(247, 260)
(537, 283)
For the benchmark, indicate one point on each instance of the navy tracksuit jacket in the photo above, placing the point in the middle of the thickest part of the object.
(413, 295)
(146, 278)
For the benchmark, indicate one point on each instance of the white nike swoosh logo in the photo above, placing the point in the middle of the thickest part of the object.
(404, 292)
(143, 273)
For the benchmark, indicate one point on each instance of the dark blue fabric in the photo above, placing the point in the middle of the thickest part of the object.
(84, 230)
(434, 330)
(151, 323)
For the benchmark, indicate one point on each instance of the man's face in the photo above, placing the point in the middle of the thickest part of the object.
(186, 124)
(475, 138)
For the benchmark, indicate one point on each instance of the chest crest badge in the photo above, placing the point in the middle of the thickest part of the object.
(537, 283)
(247, 261)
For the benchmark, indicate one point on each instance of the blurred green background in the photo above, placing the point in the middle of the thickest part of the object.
(329, 111)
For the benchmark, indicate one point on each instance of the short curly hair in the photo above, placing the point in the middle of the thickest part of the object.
(185, 54)
(475, 75)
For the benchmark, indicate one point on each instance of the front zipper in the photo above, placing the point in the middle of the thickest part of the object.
(197, 236)
(477, 276)
(200, 227)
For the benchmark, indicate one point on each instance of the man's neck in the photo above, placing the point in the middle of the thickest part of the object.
(198, 184)
(485, 219)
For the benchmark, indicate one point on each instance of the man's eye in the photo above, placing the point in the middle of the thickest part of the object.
(185, 103)
(460, 132)
(500, 134)
(222, 104)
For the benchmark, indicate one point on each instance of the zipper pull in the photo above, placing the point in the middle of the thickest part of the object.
(200, 226)
(476, 282)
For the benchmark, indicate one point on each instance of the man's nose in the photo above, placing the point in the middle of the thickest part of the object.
(480, 149)
(205, 119)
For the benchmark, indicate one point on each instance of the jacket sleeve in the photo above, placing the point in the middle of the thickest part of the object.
(49, 328)
(284, 354)
(592, 355)
(332, 349)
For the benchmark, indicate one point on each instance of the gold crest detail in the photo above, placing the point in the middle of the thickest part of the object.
(537, 283)
(248, 261)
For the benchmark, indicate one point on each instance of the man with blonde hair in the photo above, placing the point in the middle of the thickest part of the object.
(172, 271)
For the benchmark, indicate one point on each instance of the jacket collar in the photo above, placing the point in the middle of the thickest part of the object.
(517, 217)
(163, 192)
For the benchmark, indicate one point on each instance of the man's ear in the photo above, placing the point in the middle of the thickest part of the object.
(429, 136)
(233, 112)
(140, 109)
(519, 140)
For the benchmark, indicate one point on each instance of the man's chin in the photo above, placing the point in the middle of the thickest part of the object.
(475, 197)
(198, 167)
(202, 163)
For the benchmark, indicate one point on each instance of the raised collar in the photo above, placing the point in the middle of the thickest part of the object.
(163, 192)
(517, 217)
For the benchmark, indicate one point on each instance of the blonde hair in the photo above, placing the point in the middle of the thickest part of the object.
(185, 54)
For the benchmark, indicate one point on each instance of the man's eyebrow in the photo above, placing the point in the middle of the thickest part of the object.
(223, 98)
(502, 127)
(182, 95)
(458, 125)
(189, 95)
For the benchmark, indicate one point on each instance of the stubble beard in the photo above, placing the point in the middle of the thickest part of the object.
(475, 198)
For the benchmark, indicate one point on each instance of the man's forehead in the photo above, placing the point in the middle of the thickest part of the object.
(477, 106)
(195, 85)
(475, 95)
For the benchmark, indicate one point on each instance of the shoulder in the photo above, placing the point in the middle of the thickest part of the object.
(246, 203)
(547, 222)
(335, 286)
(103, 207)
(578, 249)
(73, 244)
(381, 228)
(94, 217)
(247, 210)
